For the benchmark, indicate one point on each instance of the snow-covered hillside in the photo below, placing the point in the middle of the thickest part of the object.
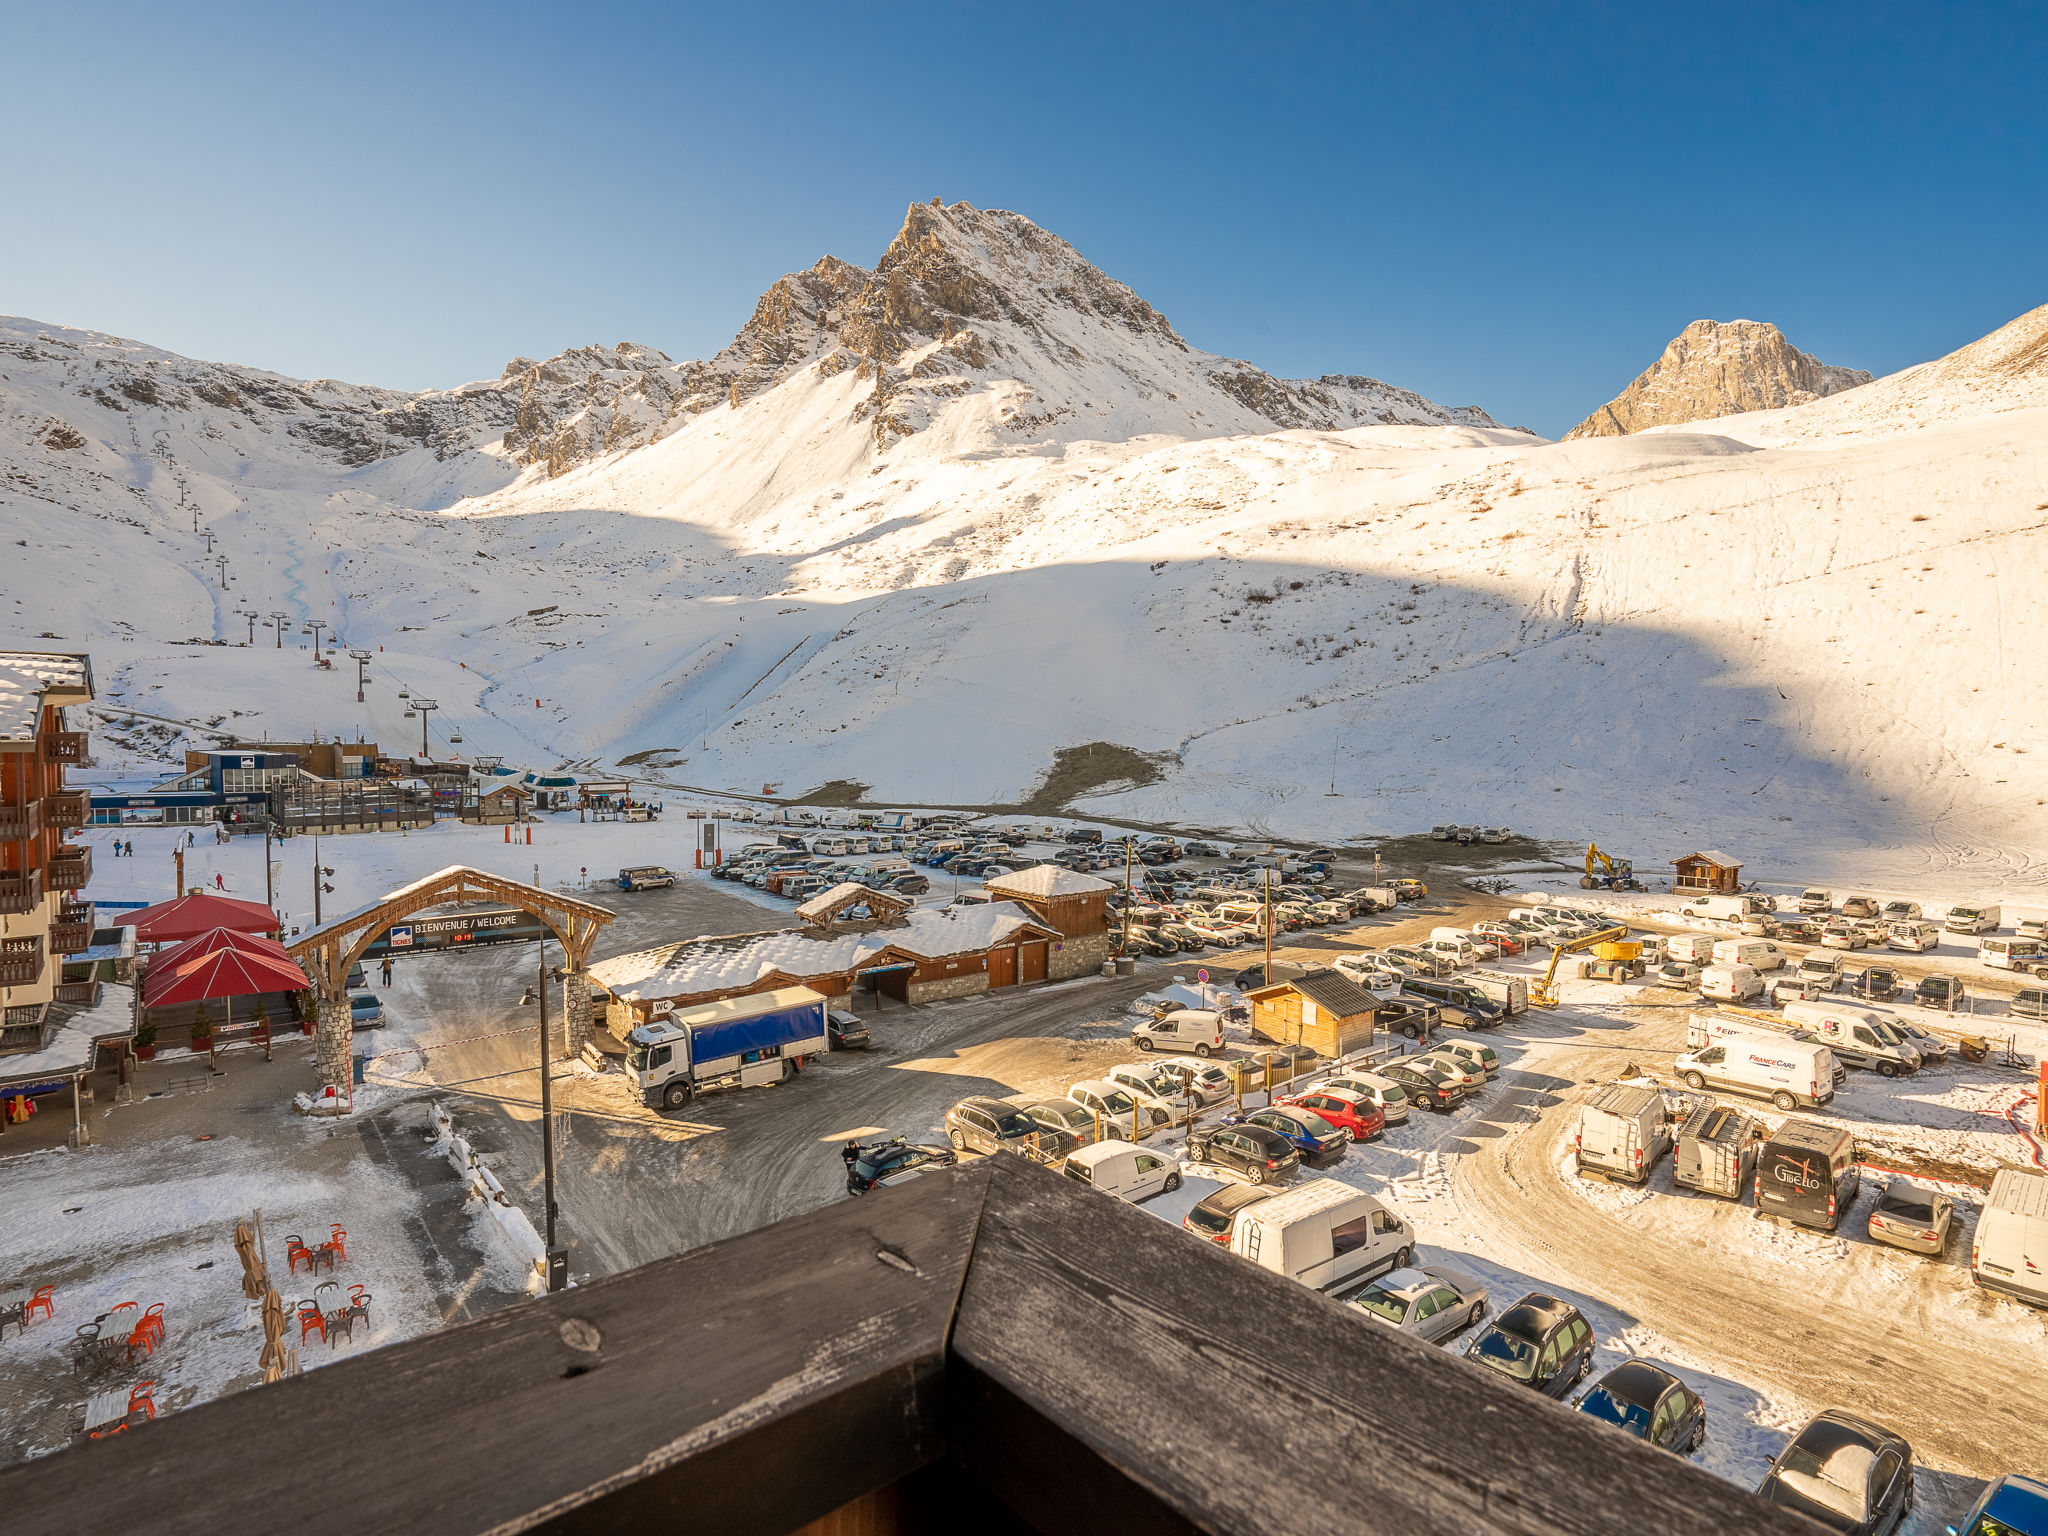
(927, 528)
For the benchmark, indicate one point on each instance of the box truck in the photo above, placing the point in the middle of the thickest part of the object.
(741, 1042)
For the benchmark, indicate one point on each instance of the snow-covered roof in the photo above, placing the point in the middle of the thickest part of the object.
(1713, 856)
(851, 893)
(1043, 880)
(26, 676)
(716, 964)
(70, 1048)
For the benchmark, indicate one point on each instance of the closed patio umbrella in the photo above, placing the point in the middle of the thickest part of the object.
(254, 1281)
(273, 1357)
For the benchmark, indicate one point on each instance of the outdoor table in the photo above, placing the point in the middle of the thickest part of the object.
(104, 1408)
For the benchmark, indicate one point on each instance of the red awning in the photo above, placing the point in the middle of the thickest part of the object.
(225, 972)
(220, 938)
(188, 916)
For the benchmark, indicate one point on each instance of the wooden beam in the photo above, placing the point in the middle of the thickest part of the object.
(1105, 1362)
(743, 1388)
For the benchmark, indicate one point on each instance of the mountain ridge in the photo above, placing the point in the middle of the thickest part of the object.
(1717, 368)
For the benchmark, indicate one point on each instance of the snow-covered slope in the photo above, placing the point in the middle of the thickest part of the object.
(930, 527)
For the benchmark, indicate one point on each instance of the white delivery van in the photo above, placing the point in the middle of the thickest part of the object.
(1622, 1132)
(1857, 1037)
(1322, 1233)
(2026, 955)
(2010, 1251)
(1511, 992)
(1731, 983)
(1972, 919)
(1192, 1029)
(1757, 954)
(1916, 936)
(1120, 1169)
(1694, 948)
(1458, 951)
(1729, 908)
(1792, 1074)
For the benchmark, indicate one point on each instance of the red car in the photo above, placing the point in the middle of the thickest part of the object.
(1352, 1113)
(1505, 942)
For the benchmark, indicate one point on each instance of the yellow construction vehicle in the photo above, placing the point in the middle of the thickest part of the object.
(1614, 962)
(1618, 874)
(1544, 993)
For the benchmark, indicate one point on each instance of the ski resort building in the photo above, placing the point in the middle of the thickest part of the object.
(43, 915)
(919, 956)
(1710, 870)
(1075, 906)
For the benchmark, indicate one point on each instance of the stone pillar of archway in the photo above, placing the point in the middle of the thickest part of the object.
(331, 1033)
(576, 1011)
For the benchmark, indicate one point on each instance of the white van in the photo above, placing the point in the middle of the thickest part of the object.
(1458, 951)
(1511, 992)
(1972, 919)
(1858, 1038)
(1693, 948)
(1916, 937)
(1729, 908)
(1192, 1029)
(1731, 983)
(1120, 1169)
(2010, 1251)
(1623, 1132)
(1757, 954)
(1792, 1074)
(1322, 1233)
(2028, 955)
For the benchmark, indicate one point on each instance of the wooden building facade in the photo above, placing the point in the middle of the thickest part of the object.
(1710, 871)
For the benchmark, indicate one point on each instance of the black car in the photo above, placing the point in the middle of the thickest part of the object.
(1650, 1403)
(1263, 1156)
(845, 1031)
(1457, 1001)
(1432, 1089)
(1215, 1214)
(877, 1162)
(910, 885)
(1084, 835)
(1943, 992)
(1879, 983)
(1539, 1341)
(1846, 1472)
(1315, 1141)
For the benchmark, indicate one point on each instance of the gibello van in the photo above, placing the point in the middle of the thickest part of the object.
(1322, 1234)
(1807, 1174)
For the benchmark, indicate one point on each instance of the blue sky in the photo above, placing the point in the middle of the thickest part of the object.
(1513, 206)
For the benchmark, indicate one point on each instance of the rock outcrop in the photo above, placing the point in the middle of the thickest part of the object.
(1718, 368)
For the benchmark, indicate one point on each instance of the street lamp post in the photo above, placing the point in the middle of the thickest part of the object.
(557, 1261)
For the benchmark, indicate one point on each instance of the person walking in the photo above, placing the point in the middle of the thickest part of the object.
(387, 970)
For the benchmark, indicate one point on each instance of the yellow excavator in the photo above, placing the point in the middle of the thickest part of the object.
(1618, 874)
(1544, 993)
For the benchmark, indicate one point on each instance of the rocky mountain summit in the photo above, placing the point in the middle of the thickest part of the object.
(1718, 368)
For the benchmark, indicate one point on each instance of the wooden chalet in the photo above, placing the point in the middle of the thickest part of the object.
(1074, 906)
(500, 805)
(1711, 871)
(989, 1348)
(1322, 1009)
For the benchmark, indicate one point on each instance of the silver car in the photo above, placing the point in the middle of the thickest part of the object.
(1432, 1301)
(1912, 1216)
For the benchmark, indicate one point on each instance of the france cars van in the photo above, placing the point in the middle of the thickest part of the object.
(1915, 937)
(1757, 954)
(1622, 1132)
(2025, 955)
(1857, 1037)
(1120, 1169)
(1731, 983)
(2010, 1251)
(1806, 1173)
(1972, 919)
(1322, 1233)
(1792, 1074)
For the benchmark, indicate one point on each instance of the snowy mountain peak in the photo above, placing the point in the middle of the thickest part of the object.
(1718, 368)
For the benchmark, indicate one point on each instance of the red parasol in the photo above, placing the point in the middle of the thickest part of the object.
(219, 938)
(222, 973)
(188, 916)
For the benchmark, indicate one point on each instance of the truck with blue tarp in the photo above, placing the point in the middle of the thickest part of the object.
(739, 1042)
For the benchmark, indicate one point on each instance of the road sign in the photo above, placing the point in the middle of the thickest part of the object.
(1203, 976)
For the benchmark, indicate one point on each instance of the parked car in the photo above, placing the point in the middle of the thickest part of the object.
(1473, 1053)
(1156, 1088)
(1317, 1143)
(1456, 1001)
(1795, 987)
(1879, 983)
(365, 1011)
(1650, 1403)
(1682, 974)
(1213, 1214)
(1123, 1117)
(845, 1031)
(1843, 934)
(1424, 1085)
(1064, 1116)
(2011, 1506)
(1539, 1341)
(1858, 906)
(1432, 1301)
(1386, 1095)
(885, 1159)
(989, 1125)
(1799, 930)
(1845, 1472)
(1901, 911)
(1127, 1172)
(1912, 1216)
(1622, 1132)
(1814, 899)
(1466, 1074)
(1422, 960)
(1807, 1174)
(1941, 992)
(1352, 1113)
(1262, 1155)
(1715, 1150)
(1933, 1048)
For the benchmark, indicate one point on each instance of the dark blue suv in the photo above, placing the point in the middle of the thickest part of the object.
(1319, 1144)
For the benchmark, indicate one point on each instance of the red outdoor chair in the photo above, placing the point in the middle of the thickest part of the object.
(143, 1338)
(338, 1241)
(310, 1321)
(43, 1300)
(295, 1249)
(113, 1320)
(153, 1321)
(111, 1429)
(139, 1397)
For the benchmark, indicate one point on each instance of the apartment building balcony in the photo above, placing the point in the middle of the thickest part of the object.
(18, 823)
(22, 961)
(69, 869)
(20, 890)
(86, 993)
(67, 809)
(71, 933)
(64, 746)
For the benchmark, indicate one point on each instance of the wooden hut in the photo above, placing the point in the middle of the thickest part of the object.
(1710, 871)
(1323, 1010)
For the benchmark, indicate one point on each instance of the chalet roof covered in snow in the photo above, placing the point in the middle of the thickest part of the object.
(1047, 880)
(27, 676)
(741, 959)
(1713, 856)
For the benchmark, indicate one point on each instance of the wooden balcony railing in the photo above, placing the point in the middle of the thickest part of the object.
(20, 822)
(21, 890)
(67, 809)
(69, 869)
(85, 992)
(68, 938)
(64, 746)
(990, 1348)
(21, 961)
